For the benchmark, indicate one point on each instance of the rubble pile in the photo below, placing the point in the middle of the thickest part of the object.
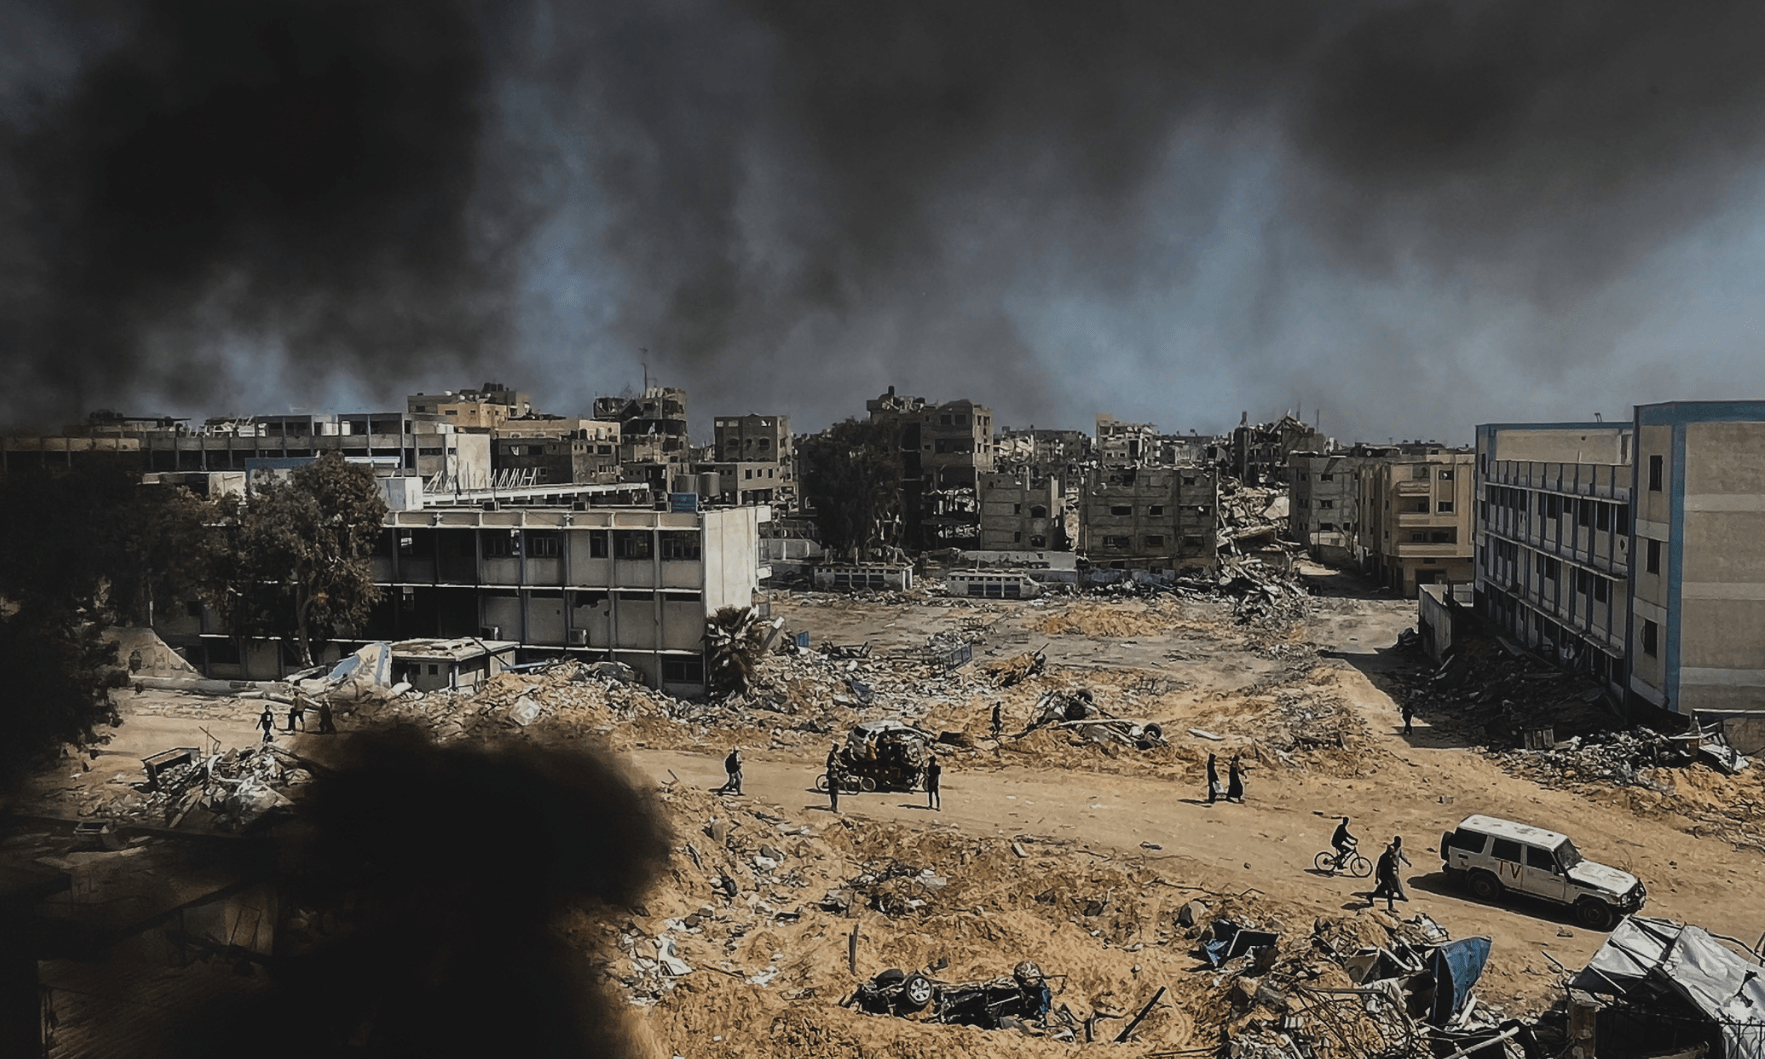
(1499, 694)
(1252, 518)
(212, 792)
(591, 695)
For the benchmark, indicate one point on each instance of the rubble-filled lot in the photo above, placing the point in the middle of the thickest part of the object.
(1068, 838)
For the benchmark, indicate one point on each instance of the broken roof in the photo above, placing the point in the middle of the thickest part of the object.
(1645, 955)
(461, 649)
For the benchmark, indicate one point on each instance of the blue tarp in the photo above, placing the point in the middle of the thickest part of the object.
(1456, 965)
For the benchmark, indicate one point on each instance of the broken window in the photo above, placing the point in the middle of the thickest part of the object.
(597, 544)
(1602, 516)
(1154, 540)
(1655, 468)
(545, 545)
(192, 608)
(1038, 511)
(1326, 477)
(1650, 638)
(1654, 557)
(1156, 509)
(499, 545)
(680, 546)
(683, 670)
(1444, 507)
(1038, 542)
(1601, 591)
(1446, 475)
(1121, 509)
(632, 544)
(1326, 503)
(1115, 542)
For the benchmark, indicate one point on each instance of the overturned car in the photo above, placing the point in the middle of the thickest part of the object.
(992, 1004)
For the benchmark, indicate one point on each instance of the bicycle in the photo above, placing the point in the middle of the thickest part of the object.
(1353, 863)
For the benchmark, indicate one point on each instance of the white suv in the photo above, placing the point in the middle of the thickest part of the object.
(1494, 856)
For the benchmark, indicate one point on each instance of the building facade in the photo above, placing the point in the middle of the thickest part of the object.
(756, 456)
(1163, 520)
(944, 450)
(1415, 524)
(630, 584)
(1325, 511)
(660, 413)
(1021, 513)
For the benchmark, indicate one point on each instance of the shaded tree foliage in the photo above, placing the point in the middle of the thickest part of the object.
(80, 549)
(851, 476)
(735, 639)
(296, 564)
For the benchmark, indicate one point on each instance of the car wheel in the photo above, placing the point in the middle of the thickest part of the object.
(1485, 886)
(1595, 914)
(867, 784)
(916, 992)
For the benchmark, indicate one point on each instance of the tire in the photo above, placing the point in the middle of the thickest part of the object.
(1325, 862)
(1595, 914)
(916, 993)
(866, 784)
(1484, 886)
(1359, 866)
(821, 783)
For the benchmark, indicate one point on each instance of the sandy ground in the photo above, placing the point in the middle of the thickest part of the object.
(1086, 816)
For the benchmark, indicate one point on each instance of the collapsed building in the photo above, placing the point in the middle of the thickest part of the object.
(1160, 520)
(1259, 452)
(1020, 512)
(944, 449)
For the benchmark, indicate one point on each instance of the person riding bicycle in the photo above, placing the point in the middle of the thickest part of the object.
(1344, 843)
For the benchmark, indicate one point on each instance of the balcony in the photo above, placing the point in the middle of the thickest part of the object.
(1426, 520)
(1418, 550)
(1415, 486)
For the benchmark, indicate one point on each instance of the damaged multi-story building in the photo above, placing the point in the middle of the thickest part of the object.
(755, 458)
(1634, 552)
(1060, 455)
(1258, 453)
(1161, 520)
(1414, 519)
(1122, 444)
(486, 408)
(397, 444)
(630, 584)
(1020, 512)
(944, 449)
(659, 413)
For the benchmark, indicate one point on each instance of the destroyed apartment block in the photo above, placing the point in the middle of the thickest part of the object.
(1160, 520)
(1259, 453)
(943, 449)
(1021, 513)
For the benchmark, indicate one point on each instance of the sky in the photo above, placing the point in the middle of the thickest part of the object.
(1399, 219)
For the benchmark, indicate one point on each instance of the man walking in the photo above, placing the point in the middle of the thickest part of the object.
(835, 777)
(1390, 884)
(297, 712)
(327, 724)
(267, 721)
(933, 770)
(998, 721)
(733, 765)
(1409, 713)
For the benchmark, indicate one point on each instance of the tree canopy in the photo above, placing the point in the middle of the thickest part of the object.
(296, 565)
(851, 476)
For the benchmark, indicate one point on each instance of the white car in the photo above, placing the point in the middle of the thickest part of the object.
(1496, 856)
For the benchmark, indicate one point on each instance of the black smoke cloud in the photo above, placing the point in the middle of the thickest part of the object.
(420, 890)
(788, 201)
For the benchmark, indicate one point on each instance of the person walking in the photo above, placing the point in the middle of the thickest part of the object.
(1235, 781)
(1390, 882)
(267, 721)
(297, 712)
(327, 724)
(1409, 713)
(934, 770)
(835, 776)
(1213, 779)
(733, 766)
(998, 721)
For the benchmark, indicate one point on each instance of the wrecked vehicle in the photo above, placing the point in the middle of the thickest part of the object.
(1495, 856)
(884, 755)
(1078, 710)
(991, 1004)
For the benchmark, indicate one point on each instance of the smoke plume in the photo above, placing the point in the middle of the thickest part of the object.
(793, 204)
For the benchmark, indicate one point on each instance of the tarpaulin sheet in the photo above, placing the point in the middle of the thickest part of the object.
(1457, 966)
(1724, 987)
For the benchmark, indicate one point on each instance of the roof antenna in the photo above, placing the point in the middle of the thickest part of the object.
(646, 367)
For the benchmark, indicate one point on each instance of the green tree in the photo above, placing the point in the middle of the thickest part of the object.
(297, 561)
(735, 640)
(851, 476)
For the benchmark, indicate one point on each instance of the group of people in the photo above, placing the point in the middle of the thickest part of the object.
(297, 715)
(1385, 870)
(1233, 791)
(836, 776)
